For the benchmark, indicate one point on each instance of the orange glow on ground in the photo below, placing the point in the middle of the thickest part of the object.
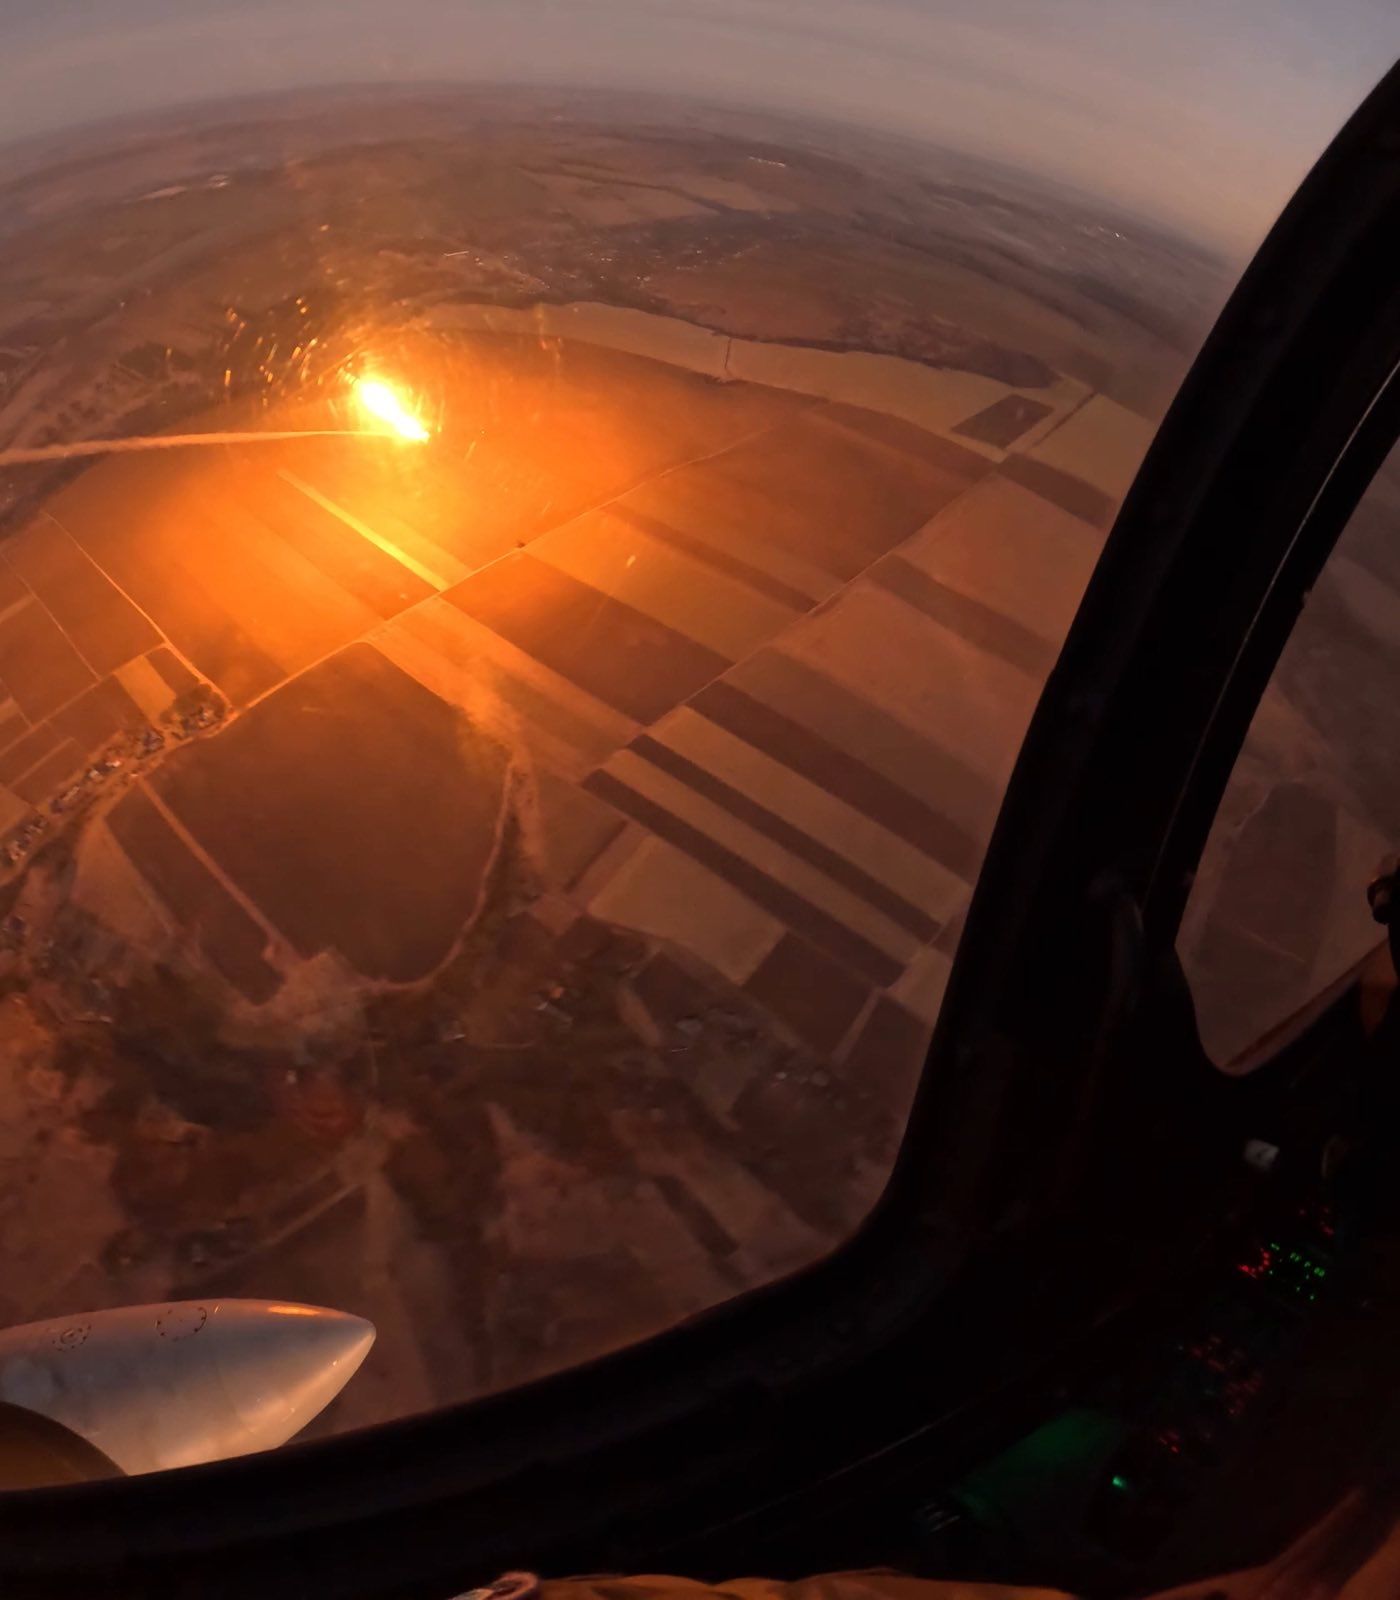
(385, 405)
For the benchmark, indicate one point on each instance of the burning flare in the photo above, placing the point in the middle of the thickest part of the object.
(382, 402)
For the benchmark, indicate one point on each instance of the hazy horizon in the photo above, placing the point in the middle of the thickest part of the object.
(1212, 113)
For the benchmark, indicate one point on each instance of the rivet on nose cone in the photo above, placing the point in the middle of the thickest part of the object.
(172, 1385)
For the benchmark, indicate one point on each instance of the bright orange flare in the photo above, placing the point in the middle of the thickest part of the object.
(383, 403)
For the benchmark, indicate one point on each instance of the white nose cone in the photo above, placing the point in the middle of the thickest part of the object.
(172, 1385)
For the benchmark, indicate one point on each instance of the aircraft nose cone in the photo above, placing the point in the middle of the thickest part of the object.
(170, 1385)
(283, 1364)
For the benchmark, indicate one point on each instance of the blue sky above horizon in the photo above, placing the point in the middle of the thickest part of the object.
(1200, 114)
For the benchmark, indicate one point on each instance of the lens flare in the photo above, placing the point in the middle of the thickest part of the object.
(383, 403)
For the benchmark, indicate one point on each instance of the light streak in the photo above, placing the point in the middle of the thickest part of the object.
(383, 402)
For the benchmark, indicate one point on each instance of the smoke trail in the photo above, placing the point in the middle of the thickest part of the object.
(173, 441)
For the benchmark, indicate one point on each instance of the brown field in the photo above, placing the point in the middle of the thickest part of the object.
(354, 809)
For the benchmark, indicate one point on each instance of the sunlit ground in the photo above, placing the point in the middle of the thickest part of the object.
(443, 962)
(481, 854)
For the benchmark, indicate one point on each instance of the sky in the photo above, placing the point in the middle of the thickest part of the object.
(1200, 114)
